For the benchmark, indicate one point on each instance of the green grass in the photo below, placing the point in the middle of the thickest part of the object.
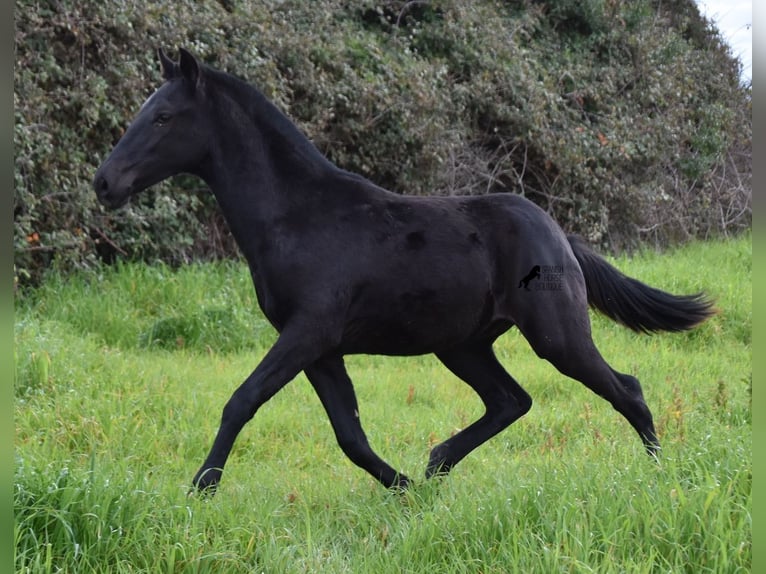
(120, 381)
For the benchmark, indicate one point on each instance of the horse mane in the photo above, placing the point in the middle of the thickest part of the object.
(266, 115)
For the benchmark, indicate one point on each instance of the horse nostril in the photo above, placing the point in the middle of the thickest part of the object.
(102, 186)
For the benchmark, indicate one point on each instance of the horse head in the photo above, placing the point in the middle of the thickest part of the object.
(168, 136)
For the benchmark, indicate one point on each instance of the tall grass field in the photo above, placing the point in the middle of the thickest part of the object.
(121, 375)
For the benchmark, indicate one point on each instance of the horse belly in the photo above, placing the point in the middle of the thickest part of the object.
(416, 321)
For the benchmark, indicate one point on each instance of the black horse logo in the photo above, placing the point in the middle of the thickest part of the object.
(533, 274)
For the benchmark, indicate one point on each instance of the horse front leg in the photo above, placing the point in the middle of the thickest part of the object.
(289, 356)
(332, 384)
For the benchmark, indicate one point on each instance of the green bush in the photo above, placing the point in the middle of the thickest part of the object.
(625, 120)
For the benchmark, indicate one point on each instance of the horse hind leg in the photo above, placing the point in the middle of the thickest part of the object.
(563, 338)
(504, 399)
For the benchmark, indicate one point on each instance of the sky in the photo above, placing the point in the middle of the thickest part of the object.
(734, 19)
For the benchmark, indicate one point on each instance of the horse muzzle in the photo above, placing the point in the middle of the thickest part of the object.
(111, 192)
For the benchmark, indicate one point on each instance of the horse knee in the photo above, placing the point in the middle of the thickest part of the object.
(524, 403)
(510, 409)
(236, 412)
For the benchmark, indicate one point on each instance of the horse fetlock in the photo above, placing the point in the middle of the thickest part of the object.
(439, 462)
(400, 483)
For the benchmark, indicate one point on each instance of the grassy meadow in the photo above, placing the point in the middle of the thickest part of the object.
(121, 375)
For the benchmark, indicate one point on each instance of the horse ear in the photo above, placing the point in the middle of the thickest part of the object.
(168, 66)
(190, 67)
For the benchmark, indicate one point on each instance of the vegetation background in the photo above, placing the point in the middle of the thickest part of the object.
(625, 120)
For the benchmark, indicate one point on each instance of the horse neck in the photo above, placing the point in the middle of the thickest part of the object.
(261, 164)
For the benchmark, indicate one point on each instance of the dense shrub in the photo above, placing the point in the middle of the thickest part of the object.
(625, 120)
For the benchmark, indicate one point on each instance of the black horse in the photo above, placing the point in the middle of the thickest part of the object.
(341, 266)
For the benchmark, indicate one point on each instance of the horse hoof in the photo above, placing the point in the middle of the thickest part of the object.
(206, 481)
(654, 450)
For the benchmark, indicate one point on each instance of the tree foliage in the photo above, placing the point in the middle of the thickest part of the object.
(626, 120)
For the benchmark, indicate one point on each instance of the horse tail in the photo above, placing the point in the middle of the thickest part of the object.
(635, 305)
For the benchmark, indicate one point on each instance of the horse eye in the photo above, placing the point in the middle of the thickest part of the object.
(162, 119)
